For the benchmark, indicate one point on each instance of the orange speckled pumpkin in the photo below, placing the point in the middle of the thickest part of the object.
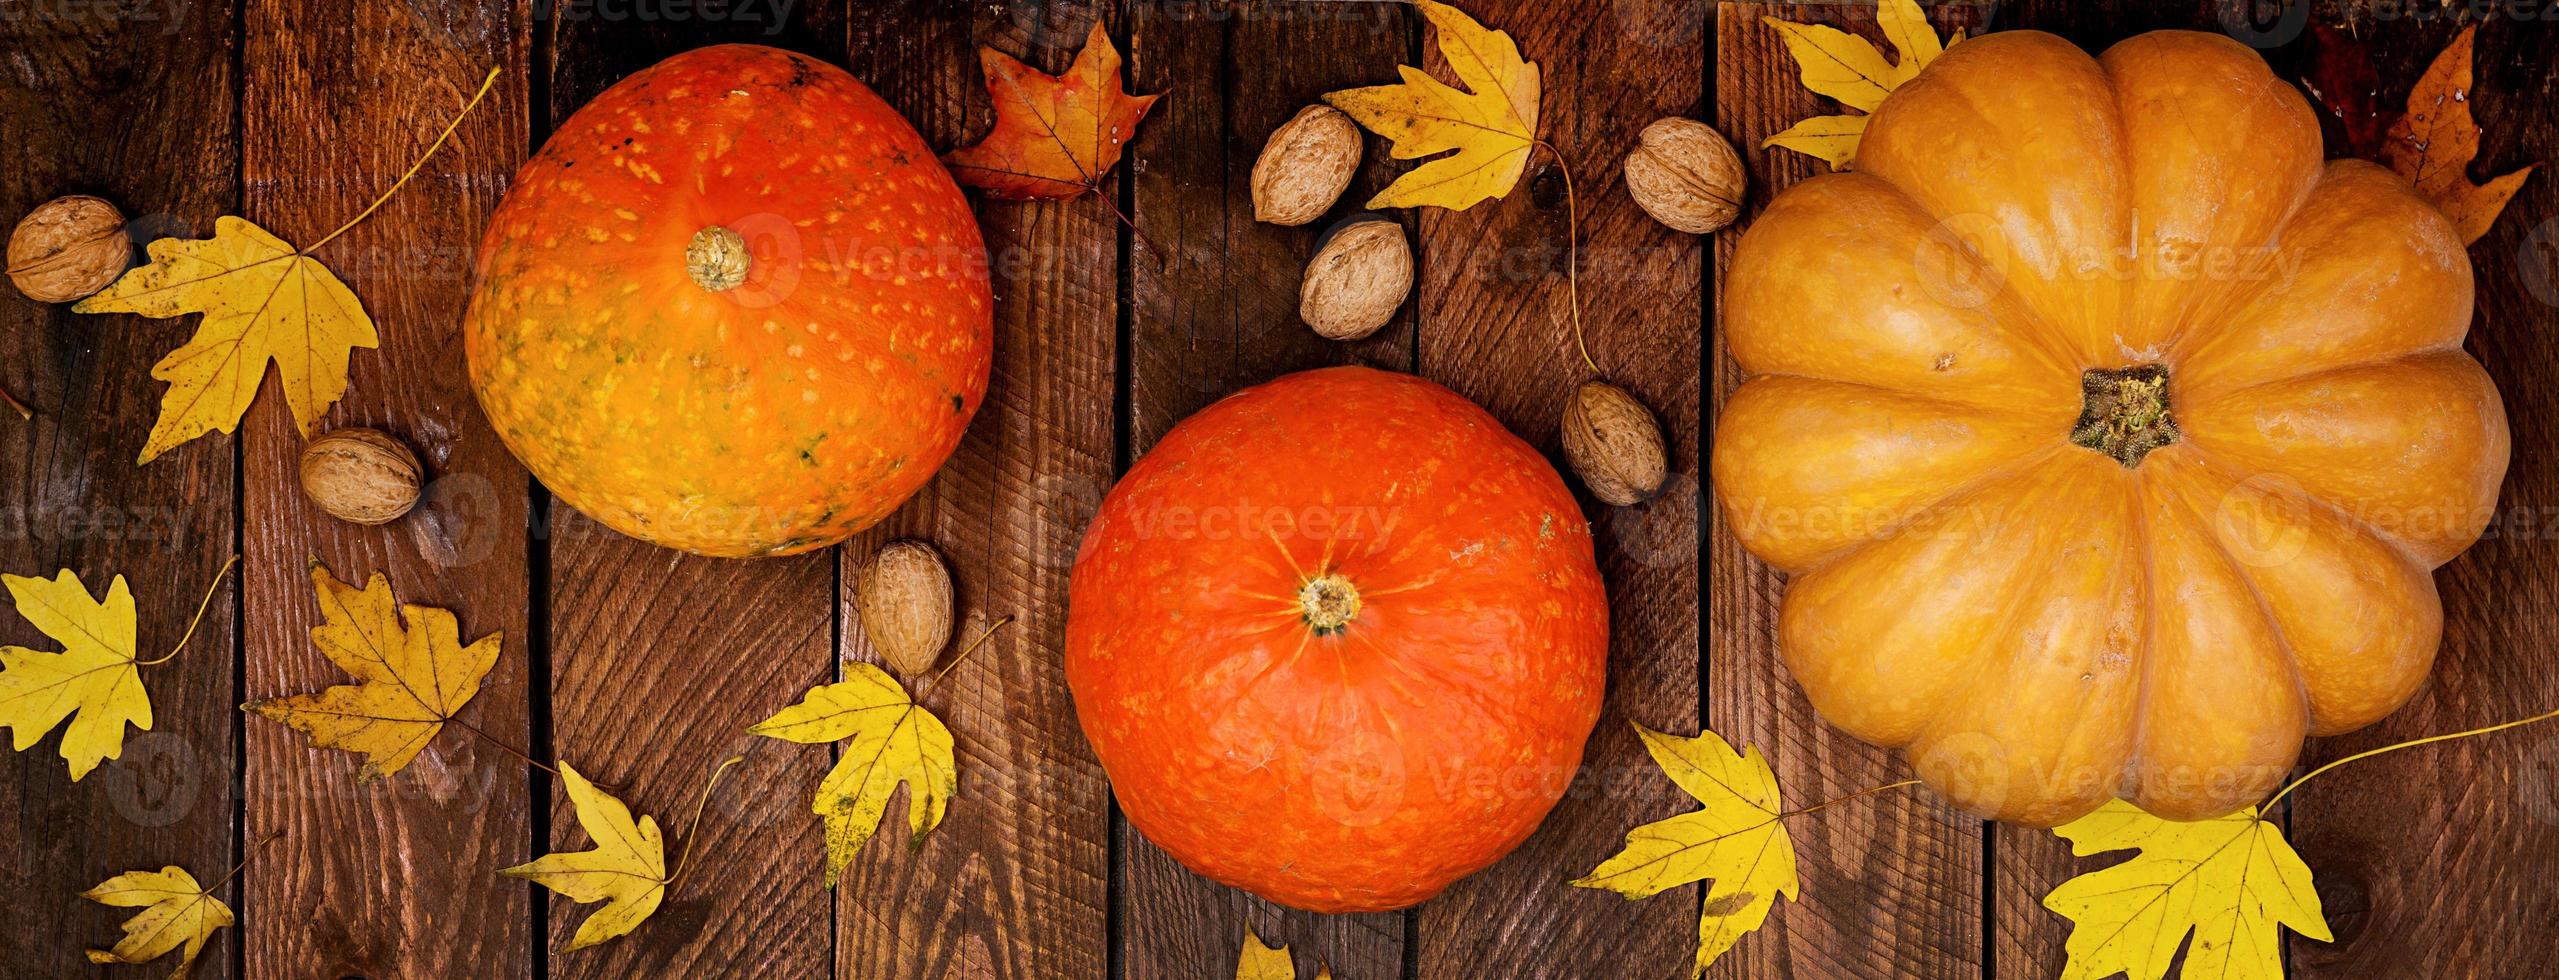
(734, 306)
(2108, 436)
(1338, 640)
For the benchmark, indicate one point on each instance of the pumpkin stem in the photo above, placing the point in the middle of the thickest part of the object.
(1329, 602)
(716, 259)
(2125, 413)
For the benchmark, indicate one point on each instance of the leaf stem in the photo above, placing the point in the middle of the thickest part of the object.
(1837, 800)
(17, 406)
(1096, 191)
(242, 863)
(200, 607)
(693, 828)
(936, 680)
(2269, 805)
(1572, 254)
(518, 753)
(485, 84)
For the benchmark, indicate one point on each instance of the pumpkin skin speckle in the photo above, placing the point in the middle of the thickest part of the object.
(1331, 751)
(619, 353)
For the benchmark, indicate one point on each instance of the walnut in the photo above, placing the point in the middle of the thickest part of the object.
(1304, 167)
(904, 597)
(361, 476)
(1686, 176)
(1357, 279)
(67, 248)
(1614, 444)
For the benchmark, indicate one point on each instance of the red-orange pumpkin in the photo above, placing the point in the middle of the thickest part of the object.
(1338, 640)
(734, 306)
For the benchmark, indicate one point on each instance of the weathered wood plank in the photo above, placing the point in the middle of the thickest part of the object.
(1015, 883)
(1496, 326)
(397, 878)
(2438, 862)
(1892, 885)
(70, 494)
(660, 661)
(1216, 311)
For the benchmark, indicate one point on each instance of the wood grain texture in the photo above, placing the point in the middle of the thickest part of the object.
(1496, 326)
(1016, 881)
(1216, 311)
(1892, 886)
(71, 496)
(2438, 862)
(397, 878)
(659, 661)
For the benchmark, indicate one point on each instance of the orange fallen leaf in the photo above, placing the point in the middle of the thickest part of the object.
(1054, 137)
(2433, 144)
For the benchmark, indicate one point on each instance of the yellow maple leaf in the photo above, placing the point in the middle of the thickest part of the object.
(1262, 962)
(175, 910)
(1849, 69)
(894, 740)
(94, 680)
(1487, 129)
(2231, 881)
(262, 300)
(411, 678)
(626, 869)
(1738, 839)
(2434, 142)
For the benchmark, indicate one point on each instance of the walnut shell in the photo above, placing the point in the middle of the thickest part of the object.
(1686, 175)
(904, 597)
(1305, 166)
(1614, 444)
(1357, 279)
(67, 248)
(361, 476)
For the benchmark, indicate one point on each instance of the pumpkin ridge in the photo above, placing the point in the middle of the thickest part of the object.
(2204, 309)
(1987, 477)
(2239, 570)
(2207, 459)
(1941, 728)
(2045, 325)
(2002, 308)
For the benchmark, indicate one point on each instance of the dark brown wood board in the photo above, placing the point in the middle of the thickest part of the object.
(659, 663)
(1497, 327)
(2433, 862)
(70, 496)
(395, 878)
(1892, 885)
(1016, 880)
(1213, 308)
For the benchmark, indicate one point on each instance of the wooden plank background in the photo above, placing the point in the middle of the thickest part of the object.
(644, 667)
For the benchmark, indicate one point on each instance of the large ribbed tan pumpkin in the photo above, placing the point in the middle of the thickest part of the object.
(2108, 437)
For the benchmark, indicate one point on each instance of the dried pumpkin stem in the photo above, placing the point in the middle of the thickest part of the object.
(1572, 254)
(485, 84)
(2269, 806)
(2124, 413)
(200, 607)
(693, 828)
